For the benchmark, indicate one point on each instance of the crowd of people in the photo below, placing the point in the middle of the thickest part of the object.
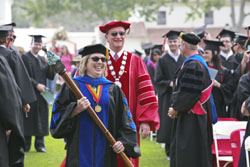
(177, 92)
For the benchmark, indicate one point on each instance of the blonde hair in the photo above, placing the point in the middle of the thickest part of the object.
(83, 66)
(190, 46)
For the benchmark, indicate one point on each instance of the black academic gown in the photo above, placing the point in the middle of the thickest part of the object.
(151, 72)
(223, 95)
(63, 126)
(191, 133)
(10, 118)
(21, 75)
(242, 93)
(36, 124)
(165, 72)
(242, 159)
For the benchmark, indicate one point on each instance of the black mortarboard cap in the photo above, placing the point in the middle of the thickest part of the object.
(200, 31)
(240, 39)
(190, 37)
(10, 24)
(5, 31)
(147, 46)
(138, 53)
(159, 47)
(226, 33)
(171, 35)
(90, 49)
(37, 38)
(213, 44)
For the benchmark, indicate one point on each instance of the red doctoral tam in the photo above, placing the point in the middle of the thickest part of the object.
(113, 24)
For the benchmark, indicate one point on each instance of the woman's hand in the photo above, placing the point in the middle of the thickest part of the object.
(118, 147)
(82, 104)
(216, 83)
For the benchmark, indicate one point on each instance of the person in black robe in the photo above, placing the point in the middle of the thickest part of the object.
(223, 84)
(245, 110)
(166, 68)
(86, 144)
(36, 124)
(12, 151)
(152, 63)
(191, 109)
(18, 68)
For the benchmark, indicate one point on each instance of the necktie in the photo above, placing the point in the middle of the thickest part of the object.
(116, 57)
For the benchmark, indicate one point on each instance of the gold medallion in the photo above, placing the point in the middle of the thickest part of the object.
(98, 108)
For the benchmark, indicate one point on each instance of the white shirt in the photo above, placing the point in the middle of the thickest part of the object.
(112, 53)
(226, 56)
(3, 46)
(171, 54)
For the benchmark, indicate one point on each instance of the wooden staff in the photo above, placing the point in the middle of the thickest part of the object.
(60, 68)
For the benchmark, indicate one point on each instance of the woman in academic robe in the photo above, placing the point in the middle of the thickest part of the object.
(223, 81)
(86, 145)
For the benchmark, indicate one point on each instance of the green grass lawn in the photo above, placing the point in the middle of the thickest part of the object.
(153, 155)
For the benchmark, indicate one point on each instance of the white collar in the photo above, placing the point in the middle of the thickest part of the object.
(226, 56)
(112, 53)
(3, 46)
(171, 54)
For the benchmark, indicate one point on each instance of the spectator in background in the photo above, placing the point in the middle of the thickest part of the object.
(76, 61)
(66, 58)
(154, 57)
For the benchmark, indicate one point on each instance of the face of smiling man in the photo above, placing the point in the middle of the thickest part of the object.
(116, 38)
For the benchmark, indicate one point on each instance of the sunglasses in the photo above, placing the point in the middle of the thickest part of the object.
(96, 59)
(121, 33)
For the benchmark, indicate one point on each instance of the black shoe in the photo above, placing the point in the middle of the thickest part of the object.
(27, 149)
(41, 149)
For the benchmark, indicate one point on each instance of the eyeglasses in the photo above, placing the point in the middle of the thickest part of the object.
(121, 33)
(96, 59)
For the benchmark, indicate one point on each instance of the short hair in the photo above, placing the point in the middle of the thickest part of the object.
(3, 40)
(83, 66)
(190, 46)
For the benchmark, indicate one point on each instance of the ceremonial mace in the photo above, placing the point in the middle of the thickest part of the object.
(55, 62)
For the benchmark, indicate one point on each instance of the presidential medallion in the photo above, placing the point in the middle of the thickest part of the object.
(98, 108)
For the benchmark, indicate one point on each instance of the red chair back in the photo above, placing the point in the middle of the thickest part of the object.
(236, 139)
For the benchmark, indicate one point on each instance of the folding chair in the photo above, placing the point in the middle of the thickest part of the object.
(236, 138)
(222, 144)
(247, 148)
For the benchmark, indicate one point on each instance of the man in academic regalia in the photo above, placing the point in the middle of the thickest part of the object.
(37, 122)
(164, 77)
(18, 68)
(12, 151)
(227, 56)
(190, 109)
(147, 50)
(130, 73)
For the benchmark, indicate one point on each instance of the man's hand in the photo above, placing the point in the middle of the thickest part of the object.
(172, 113)
(26, 108)
(244, 109)
(41, 87)
(118, 147)
(144, 130)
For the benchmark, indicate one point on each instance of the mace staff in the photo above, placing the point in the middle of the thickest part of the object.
(55, 62)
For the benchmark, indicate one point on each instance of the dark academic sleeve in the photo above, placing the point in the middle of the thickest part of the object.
(248, 104)
(227, 87)
(189, 87)
(10, 112)
(62, 124)
(126, 127)
(160, 78)
(22, 78)
(243, 90)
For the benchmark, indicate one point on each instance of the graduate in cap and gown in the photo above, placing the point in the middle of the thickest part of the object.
(190, 108)
(12, 151)
(166, 68)
(36, 124)
(223, 84)
(147, 50)
(154, 57)
(130, 73)
(18, 68)
(227, 56)
(86, 144)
